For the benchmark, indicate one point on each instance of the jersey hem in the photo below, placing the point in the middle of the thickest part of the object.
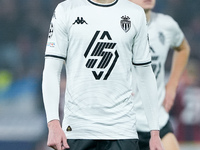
(101, 138)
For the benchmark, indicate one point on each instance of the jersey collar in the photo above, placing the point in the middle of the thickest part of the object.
(103, 5)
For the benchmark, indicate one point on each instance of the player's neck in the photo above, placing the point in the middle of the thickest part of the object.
(103, 1)
(148, 15)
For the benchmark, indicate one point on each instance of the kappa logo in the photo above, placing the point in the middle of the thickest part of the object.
(125, 23)
(101, 55)
(80, 21)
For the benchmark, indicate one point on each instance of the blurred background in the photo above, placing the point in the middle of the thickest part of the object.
(24, 26)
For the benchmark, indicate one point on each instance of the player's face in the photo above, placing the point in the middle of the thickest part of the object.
(145, 4)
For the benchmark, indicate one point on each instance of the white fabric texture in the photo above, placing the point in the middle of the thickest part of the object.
(99, 43)
(51, 87)
(164, 33)
(148, 92)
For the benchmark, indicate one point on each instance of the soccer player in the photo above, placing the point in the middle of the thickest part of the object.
(99, 41)
(164, 33)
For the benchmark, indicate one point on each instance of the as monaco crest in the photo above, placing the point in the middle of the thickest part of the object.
(125, 23)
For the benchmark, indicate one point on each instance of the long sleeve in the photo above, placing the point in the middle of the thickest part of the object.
(51, 87)
(148, 92)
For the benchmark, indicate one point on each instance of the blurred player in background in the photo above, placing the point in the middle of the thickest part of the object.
(164, 33)
(99, 41)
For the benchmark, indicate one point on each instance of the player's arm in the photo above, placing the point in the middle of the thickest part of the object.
(55, 55)
(146, 80)
(51, 94)
(180, 59)
(148, 92)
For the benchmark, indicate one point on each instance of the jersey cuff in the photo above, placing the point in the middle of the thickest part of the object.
(140, 64)
(59, 57)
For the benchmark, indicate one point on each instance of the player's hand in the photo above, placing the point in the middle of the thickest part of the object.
(169, 97)
(155, 141)
(56, 138)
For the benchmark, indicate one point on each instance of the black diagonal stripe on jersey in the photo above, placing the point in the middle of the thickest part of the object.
(98, 49)
(60, 57)
(93, 63)
(106, 56)
(140, 64)
(112, 66)
(100, 63)
(100, 52)
(88, 64)
(113, 45)
(94, 53)
(151, 48)
(110, 45)
(103, 60)
(91, 43)
(107, 44)
(107, 60)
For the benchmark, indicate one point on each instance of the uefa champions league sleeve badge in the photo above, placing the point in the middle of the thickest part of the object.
(51, 30)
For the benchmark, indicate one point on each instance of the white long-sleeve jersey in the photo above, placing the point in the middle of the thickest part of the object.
(164, 33)
(99, 44)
